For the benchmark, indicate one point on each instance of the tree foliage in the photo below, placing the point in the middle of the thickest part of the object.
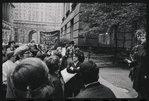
(64, 41)
(99, 17)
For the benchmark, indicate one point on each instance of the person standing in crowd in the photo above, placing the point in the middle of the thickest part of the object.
(29, 80)
(64, 49)
(11, 46)
(89, 72)
(73, 86)
(33, 49)
(8, 65)
(139, 65)
(70, 49)
(65, 60)
(22, 52)
(6, 68)
(77, 50)
(53, 64)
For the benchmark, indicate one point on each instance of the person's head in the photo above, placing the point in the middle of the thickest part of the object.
(77, 57)
(71, 43)
(59, 49)
(10, 56)
(89, 72)
(77, 50)
(139, 34)
(41, 55)
(30, 74)
(53, 63)
(23, 52)
(11, 43)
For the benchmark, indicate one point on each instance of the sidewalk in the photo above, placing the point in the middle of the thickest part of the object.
(119, 92)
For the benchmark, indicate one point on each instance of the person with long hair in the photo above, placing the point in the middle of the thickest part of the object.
(139, 66)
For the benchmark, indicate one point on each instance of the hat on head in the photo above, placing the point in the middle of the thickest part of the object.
(21, 49)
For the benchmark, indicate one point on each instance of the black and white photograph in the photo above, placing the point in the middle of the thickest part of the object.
(74, 50)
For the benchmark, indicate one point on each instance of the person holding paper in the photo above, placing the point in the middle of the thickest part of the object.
(73, 86)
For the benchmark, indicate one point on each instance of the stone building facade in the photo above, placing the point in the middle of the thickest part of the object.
(7, 22)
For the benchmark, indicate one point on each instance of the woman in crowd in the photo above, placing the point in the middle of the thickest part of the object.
(74, 85)
(53, 64)
(29, 80)
(139, 65)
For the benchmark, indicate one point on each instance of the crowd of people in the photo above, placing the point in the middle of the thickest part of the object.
(28, 71)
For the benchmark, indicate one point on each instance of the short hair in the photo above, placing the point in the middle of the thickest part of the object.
(89, 72)
(30, 72)
(79, 55)
(52, 63)
(71, 42)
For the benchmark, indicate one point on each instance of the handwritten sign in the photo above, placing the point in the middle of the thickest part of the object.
(49, 38)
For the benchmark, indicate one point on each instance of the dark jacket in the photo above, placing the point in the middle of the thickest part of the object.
(140, 71)
(45, 91)
(65, 61)
(96, 90)
(75, 84)
(56, 83)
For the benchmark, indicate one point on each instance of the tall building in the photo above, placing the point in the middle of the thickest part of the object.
(39, 12)
(44, 16)
(7, 22)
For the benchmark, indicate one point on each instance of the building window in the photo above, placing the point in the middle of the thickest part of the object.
(65, 29)
(73, 6)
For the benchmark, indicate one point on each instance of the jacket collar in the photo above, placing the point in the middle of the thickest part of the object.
(91, 84)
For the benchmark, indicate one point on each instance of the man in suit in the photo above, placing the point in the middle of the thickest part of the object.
(93, 89)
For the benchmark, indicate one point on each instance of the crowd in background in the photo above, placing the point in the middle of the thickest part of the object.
(29, 71)
(32, 72)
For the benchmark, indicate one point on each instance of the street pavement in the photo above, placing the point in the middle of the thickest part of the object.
(116, 78)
